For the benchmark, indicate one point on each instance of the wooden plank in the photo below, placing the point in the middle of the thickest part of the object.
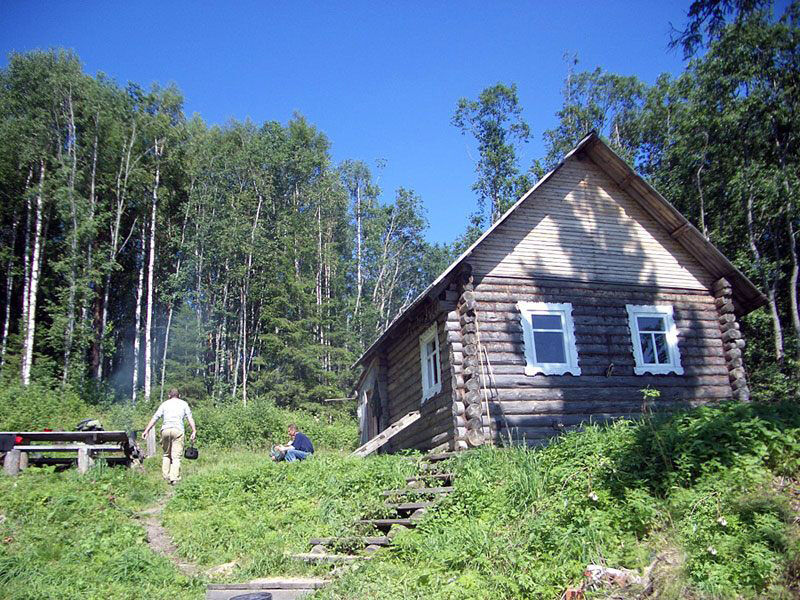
(366, 540)
(410, 505)
(418, 491)
(68, 448)
(387, 434)
(388, 522)
(93, 437)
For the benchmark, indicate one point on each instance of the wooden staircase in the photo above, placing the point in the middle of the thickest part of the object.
(407, 505)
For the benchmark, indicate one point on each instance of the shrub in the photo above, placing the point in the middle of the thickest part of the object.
(38, 407)
(228, 424)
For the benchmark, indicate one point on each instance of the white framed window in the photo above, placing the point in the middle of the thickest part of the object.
(549, 335)
(429, 360)
(655, 339)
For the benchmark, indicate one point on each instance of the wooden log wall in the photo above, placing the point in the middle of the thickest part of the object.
(732, 340)
(535, 408)
(404, 383)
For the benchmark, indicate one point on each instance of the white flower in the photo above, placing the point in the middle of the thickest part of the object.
(722, 521)
(593, 496)
(711, 550)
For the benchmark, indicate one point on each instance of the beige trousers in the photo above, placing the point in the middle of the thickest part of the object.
(172, 444)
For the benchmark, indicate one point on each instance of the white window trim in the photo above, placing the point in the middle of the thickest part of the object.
(570, 347)
(644, 310)
(431, 333)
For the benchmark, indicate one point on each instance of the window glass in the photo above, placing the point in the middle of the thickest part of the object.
(546, 321)
(549, 336)
(429, 362)
(655, 339)
(549, 347)
(651, 323)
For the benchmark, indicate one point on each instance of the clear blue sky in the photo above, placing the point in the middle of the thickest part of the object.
(381, 79)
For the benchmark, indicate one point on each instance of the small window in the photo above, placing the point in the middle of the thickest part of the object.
(549, 334)
(429, 359)
(655, 339)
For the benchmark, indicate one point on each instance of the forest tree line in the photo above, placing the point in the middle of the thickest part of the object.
(144, 247)
(140, 244)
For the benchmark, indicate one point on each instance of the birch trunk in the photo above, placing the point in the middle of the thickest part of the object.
(793, 278)
(158, 149)
(9, 289)
(359, 281)
(244, 349)
(245, 296)
(769, 285)
(36, 262)
(72, 153)
(793, 284)
(88, 294)
(172, 305)
(138, 324)
(700, 190)
(26, 271)
(120, 193)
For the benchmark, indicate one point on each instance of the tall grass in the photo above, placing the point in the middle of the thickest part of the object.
(525, 523)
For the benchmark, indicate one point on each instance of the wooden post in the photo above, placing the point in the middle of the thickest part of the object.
(151, 443)
(84, 460)
(11, 462)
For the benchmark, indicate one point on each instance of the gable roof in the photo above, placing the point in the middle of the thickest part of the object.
(746, 296)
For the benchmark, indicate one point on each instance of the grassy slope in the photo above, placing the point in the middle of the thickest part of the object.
(520, 523)
(524, 524)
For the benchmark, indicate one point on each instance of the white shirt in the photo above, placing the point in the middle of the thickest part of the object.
(173, 410)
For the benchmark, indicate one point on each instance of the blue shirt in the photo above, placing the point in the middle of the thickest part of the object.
(302, 443)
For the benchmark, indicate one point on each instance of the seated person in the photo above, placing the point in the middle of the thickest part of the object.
(299, 447)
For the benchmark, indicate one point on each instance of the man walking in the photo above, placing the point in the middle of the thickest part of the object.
(173, 411)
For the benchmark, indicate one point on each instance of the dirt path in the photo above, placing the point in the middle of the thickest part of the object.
(159, 539)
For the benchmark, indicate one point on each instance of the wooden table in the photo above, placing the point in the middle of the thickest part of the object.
(87, 445)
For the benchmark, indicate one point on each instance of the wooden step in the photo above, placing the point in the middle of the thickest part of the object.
(409, 505)
(364, 540)
(288, 588)
(388, 523)
(423, 477)
(410, 490)
(439, 456)
(324, 557)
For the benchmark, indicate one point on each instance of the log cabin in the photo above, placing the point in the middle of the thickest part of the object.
(591, 288)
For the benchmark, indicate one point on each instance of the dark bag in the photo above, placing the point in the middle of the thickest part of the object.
(191, 453)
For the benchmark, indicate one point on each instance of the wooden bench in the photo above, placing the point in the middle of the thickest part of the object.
(87, 445)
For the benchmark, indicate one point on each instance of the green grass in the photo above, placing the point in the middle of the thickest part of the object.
(524, 524)
(69, 536)
(702, 486)
(246, 508)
